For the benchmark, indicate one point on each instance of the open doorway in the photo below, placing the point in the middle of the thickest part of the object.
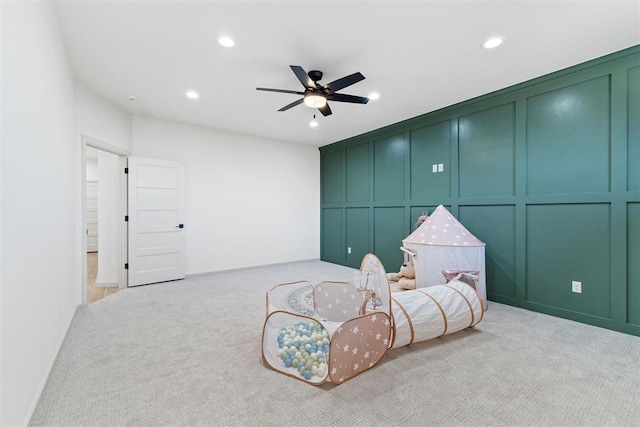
(104, 208)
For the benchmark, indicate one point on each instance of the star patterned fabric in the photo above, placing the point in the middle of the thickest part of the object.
(358, 345)
(442, 229)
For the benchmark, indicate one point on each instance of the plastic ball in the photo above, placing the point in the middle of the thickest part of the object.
(307, 375)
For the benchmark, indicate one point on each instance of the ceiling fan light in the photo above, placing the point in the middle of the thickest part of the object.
(315, 100)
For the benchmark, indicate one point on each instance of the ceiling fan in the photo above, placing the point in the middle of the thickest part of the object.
(316, 95)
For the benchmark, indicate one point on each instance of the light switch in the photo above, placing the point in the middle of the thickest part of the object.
(434, 168)
(440, 167)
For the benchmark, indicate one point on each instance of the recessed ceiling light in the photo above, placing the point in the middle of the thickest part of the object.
(373, 96)
(192, 94)
(313, 124)
(492, 42)
(226, 41)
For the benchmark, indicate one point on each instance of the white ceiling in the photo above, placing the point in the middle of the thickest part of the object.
(419, 55)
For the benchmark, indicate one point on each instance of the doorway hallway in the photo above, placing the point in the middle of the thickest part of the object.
(95, 293)
(104, 208)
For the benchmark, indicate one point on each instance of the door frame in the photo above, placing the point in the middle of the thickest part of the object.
(122, 244)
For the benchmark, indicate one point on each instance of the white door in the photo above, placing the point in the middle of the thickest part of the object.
(156, 209)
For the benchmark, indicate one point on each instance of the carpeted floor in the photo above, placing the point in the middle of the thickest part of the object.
(188, 353)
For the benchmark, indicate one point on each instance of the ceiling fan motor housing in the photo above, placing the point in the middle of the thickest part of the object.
(315, 75)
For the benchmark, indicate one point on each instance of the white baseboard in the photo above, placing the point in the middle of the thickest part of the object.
(250, 267)
(107, 284)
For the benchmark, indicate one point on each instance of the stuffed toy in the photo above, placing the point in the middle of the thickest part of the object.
(405, 279)
(421, 218)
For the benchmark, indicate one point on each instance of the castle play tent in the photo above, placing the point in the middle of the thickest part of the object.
(441, 243)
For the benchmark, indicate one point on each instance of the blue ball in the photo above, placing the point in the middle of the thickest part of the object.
(287, 363)
(307, 374)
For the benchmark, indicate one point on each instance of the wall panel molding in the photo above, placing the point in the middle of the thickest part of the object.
(545, 172)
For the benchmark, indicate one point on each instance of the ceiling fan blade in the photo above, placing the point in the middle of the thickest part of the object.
(336, 85)
(301, 74)
(347, 98)
(326, 111)
(293, 104)
(280, 90)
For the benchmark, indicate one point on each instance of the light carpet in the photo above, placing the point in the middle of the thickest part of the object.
(187, 353)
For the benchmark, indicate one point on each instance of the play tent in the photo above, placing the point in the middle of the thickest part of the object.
(442, 243)
(333, 331)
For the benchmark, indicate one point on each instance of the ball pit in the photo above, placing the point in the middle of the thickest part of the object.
(305, 347)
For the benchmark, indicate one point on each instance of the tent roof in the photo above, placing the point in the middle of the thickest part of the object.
(442, 229)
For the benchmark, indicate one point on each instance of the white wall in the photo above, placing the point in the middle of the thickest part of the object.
(249, 201)
(39, 279)
(102, 121)
(1, 204)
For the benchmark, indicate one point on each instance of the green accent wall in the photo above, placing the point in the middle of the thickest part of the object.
(633, 264)
(486, 152)
(430, 145)
(546, 172)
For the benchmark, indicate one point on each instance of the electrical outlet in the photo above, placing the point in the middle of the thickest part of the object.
(576, 287)
(440, 167)
(349, 250)
(434, 168)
